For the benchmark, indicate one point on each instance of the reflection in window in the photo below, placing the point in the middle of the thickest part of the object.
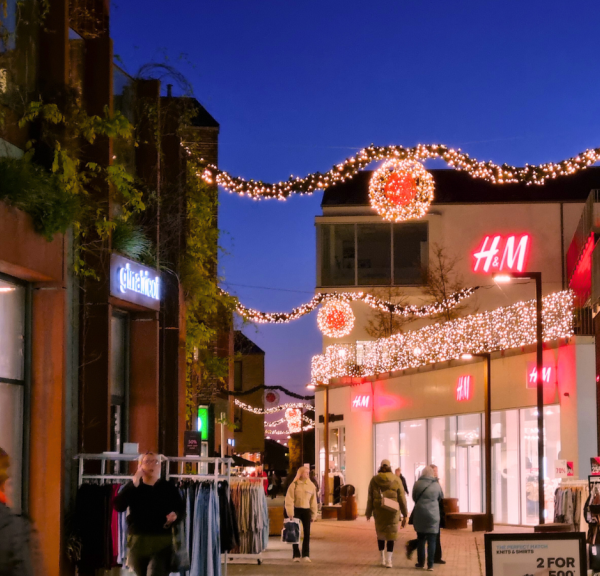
(410, 253)
(387, 444)
(12, 331)
(337, 255)
(442, 450)
(413, 450)
(374, 254)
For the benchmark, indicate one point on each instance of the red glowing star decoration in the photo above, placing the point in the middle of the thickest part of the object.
(400, 188)
(336, 319)
(294, 420)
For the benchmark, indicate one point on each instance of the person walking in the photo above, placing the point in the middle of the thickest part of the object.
(301, 503)
(387, 485)
(154, 505)
(438, 542)
(15, 531)
(398, 472)
(427, 495)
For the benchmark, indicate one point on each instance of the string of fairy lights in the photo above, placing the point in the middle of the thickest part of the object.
(455, 158)
(274, 409)
(305, 419)
(500, 329)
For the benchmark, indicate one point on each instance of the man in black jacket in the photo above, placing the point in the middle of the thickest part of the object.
(15, 531)
(403, 480)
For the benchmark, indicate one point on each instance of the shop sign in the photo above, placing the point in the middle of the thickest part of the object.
(464, 388)
(192, 443)
(595, 464)
(134, 283)
(561, 554)
(203, 422)
(547, 375)
(362, 402)
(563, 469)
(502, 254)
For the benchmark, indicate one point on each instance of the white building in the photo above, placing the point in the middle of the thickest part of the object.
(433, 413)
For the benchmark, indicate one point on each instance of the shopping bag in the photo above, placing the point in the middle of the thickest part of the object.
(291, 531)
(180, 559)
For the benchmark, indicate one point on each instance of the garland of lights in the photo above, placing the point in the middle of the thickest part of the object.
(294, 420)
(264, 387)
(286, 432)
(273, 410)
(336, 319)
(284, 421)
(376, 303)
(500, 329)
(400, 190)
(505, 174)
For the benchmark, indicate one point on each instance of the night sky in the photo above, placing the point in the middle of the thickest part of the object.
(299, 86)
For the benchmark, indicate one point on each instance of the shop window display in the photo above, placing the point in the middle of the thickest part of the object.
(387, 444)
(442, 450)
(505, 466)
(413, 450)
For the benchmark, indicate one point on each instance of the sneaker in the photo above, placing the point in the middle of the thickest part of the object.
(306, 559)
(439, 562)
(296, 559)
(409, 550)
(419, 566)
(430, 569)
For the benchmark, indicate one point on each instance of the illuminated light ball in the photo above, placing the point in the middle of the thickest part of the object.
(401, 190)
(336, 319)
(294, 420)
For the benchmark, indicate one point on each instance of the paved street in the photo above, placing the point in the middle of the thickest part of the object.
(350, 548)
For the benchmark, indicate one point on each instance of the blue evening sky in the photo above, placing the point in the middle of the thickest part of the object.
(299, 86)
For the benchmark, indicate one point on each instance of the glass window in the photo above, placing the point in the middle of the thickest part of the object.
(413, 450)
(237, 376)
(374, 254)
(11, 434)
(505, 466)
(387, 444)
(442, 451)
(12, 331)
(337, 255)
(468, 463)
(411, 250)
(119, 382)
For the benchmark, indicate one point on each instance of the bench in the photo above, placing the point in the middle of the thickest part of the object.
(554, 527)
(459, 520)
(330, 512)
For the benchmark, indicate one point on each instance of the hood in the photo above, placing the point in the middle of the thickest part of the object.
(385, 480)
(422, 484)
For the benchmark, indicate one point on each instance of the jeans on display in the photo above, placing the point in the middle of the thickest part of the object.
(150, 555)
(206, 548)
(304, 515)
(429, 540)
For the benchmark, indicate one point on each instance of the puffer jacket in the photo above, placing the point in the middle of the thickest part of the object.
(427, 493)
(15, 544)
(301, 494)
(386, 485)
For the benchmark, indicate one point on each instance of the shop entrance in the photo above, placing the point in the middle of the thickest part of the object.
(468, 460)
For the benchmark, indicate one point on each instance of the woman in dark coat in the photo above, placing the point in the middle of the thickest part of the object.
(386, 485)
(427, 494)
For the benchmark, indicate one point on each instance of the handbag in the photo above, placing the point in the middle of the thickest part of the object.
(389, 503)
(291, 531)
(180, 558)
(412, 514)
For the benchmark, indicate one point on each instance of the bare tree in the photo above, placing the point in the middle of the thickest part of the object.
(382, 324)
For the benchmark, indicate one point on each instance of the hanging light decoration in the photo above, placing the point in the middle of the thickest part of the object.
(294, 420)
(336, 319)
(401, 190)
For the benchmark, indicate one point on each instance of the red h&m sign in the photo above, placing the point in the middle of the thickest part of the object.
(464, 388)
(502, 254)
(362, 402)
(547, 375)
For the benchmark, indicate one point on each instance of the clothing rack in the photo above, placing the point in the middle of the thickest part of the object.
(103, 476)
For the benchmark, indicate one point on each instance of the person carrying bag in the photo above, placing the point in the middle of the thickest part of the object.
(301, 505)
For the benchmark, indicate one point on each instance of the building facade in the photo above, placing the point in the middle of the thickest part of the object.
(429, 411)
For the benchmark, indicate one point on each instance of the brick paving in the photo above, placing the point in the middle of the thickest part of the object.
(350, 549)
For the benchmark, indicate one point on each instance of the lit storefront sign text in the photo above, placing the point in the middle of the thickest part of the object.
(135, 283)
(547, 375)
(362, 402)
(502, 254)
(464, 389)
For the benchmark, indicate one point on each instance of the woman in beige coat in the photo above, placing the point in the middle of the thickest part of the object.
(386, 485)
(301, 503)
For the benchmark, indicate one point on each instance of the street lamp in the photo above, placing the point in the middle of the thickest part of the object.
(487, 396)
(537, 276)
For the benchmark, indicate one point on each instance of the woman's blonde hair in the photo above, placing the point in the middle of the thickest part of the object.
(427, 472)
(4, 466)
(299, 472)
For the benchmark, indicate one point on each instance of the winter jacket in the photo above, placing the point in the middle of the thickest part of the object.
(15, 544)
(427, 493)
(386, 485)
(301, 494)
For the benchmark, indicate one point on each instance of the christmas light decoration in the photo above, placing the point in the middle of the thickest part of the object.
(368, 299)
(455, 158)
(286, 432)
(273, 410)
(401, 190)
(294, 420)
(284, 421)
(336, 319)
(501, 329)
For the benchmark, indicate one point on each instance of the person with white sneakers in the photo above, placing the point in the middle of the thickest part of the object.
(385, 502)
(301, 503)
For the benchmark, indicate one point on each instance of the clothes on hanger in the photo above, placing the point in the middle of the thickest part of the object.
(252, 514)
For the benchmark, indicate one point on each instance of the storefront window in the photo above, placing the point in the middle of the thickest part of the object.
(413, 450)
(12, 379)
(505, 466)
(387, 444)
(337, 255)
(411, 251)
(469, 463)
(374, 254)
(442, 450)
(119, 382)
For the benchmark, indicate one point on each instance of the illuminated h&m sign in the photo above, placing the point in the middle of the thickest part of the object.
(548, 375)
(134, 283)
(464, 388)
(502, 254)
(362, 402)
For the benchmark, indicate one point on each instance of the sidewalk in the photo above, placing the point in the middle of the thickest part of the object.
(350, 549)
